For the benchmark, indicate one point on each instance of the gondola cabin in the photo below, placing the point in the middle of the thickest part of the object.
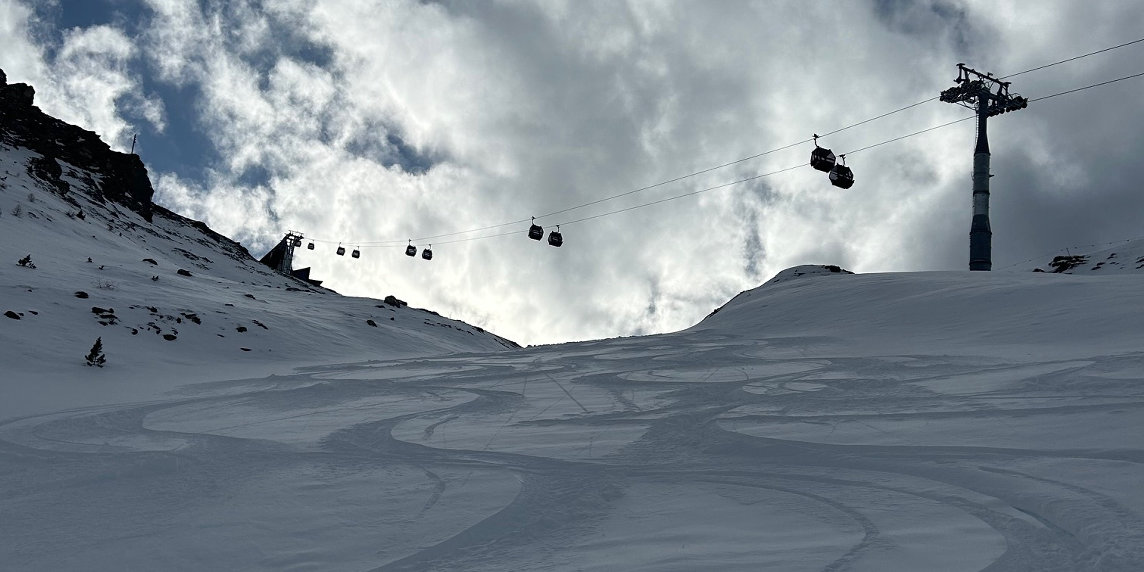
(356, 253)
(310, 246)
(555, 238)
(841, 176)
(410, 250)
(535, 232)
(297, 242)
(427, 253)
(821, 159)
(341, 250)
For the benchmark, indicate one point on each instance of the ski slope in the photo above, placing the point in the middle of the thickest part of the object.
(931, 421)
(228, 316)
(945, 421)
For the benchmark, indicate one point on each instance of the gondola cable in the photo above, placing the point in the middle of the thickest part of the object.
(391, 243)
(770, 173)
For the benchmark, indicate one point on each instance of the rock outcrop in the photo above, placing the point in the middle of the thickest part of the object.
(122, 177)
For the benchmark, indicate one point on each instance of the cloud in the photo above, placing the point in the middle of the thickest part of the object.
(84, 78)
(370, 123)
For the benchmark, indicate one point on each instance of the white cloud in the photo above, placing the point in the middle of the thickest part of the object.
(86, 81)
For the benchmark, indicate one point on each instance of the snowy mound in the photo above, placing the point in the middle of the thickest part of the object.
(990, 312)
(1124, 257)
(792, 273)
(807, 270)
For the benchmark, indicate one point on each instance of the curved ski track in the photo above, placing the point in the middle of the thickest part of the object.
(672, 453)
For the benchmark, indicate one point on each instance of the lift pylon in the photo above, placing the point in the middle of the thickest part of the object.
(987, 96)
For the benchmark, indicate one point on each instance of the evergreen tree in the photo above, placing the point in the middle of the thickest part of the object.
(96, 357)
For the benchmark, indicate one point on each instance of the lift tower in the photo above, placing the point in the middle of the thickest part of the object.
(988, 96)
(281, 257)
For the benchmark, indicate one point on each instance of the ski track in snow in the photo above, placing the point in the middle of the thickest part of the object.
(665, 453)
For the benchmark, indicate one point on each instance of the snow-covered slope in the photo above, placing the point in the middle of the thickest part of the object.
(922, 421)
(166, 295)
(1127, 257)
(982, 314)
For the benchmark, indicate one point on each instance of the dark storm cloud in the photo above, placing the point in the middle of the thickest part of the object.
(932, 19)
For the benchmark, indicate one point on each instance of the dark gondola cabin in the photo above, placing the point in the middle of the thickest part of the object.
(841, 176)
(310, 246)
(821, 158)
(297, 242)
(356, 253)
(535, 232)
(410, 250)
(427, 254)
(341, 250)
(555, 238)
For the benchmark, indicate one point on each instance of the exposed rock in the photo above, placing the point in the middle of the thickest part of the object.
(123, 177)
(12, 315)
(16, 96)
(182, 272)
(1062, 264)
(48, 170)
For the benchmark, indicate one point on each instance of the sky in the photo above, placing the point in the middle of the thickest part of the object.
(370, 123)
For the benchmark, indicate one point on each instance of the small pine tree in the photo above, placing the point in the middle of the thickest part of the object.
(95, 357)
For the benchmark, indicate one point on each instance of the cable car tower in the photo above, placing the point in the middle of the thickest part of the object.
(281, 257)
(988, 96)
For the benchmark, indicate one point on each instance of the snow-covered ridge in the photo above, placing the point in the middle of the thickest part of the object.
(1127, 257)
(989, 313)
(164, 293)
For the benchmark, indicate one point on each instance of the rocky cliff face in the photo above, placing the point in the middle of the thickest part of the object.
(122, 177)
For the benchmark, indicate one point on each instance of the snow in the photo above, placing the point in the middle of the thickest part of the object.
(823, 421)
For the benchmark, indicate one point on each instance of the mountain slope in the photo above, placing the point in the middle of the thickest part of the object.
(163, 292)
(1127, 257)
